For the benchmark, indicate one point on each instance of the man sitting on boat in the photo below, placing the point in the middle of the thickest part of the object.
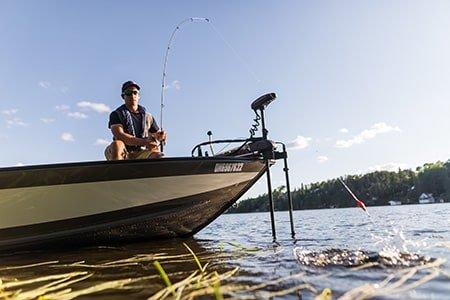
(136, 134)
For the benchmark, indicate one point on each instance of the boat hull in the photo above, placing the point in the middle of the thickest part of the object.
(110, 202)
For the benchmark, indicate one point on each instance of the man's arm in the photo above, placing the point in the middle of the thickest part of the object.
(156, 132)
(128, 139)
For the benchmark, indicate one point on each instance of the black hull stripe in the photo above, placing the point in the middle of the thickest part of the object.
(114, 170)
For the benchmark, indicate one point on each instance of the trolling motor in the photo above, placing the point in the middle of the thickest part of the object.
(257, 147)
(258, 106)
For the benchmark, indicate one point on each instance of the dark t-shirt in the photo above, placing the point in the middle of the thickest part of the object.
(137, 123)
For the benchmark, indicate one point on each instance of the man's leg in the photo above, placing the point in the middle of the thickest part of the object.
(156, 155)
(116, 151)
(144, 154)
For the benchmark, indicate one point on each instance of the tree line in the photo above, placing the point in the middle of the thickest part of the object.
(375, 188)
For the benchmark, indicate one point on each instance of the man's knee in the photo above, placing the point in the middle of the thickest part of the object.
(117, 146)
(116, 150)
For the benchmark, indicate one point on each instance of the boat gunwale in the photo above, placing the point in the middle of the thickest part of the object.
(127, 161)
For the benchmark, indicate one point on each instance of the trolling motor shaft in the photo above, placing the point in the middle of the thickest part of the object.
(259, 105)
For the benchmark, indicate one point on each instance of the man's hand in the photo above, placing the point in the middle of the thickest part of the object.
(151, 145)
(161, 135)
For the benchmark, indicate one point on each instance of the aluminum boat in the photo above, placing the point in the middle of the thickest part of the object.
(103, 202)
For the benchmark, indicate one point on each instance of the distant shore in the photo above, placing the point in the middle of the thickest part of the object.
(429, 183)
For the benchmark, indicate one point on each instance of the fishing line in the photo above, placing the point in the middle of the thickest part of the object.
(247, 66)
(166, 59)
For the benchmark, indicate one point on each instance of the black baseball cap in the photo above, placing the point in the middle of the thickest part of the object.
(129, 84)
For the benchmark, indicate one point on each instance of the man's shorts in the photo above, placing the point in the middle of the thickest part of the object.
(140, 154)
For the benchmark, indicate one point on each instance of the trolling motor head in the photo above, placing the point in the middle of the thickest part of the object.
(258, 107)
(262, 102)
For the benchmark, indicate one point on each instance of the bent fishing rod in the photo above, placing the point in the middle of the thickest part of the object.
(166, 58)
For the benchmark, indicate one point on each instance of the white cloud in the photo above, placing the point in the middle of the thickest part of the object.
(366, 134)
(10, 112)
(62, 107)
(391, 167)
(15, 122)
(47, 120)
(343, 130)
(77, 115)
(321, 159)
(19, 164)
(98, 107)
(68, 137)
(300, 142)
(65, 109)
(101, 142)
(44, 84)
(175, 84)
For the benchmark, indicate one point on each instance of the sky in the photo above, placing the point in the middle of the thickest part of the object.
(361, 85)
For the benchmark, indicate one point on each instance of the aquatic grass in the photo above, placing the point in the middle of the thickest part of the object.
(193, 286)
(162, 294)
(57, 281)
(212, 257)
(7, 295)
(242, 247)
(182, 285)
(365, 266)
(29, 266)
(57, 286)
(198, 285)
(163, 275)
(61, 286)
(240, 291)
(141, 259)
(50, 287)
(445, 273)
(444, 244)
(95, 266)
(398, 282)
(113, 284)
(297, 288)
(197, 260)
(216, 286)
(145, 258)
(201, 283)
(17, 283)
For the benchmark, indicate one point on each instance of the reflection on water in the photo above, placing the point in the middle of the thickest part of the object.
(400, 252)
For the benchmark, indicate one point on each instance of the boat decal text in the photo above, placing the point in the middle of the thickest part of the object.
(228, 167)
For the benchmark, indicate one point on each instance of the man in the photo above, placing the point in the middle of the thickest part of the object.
(136, 134)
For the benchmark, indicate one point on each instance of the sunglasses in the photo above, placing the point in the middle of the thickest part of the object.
(129, 93)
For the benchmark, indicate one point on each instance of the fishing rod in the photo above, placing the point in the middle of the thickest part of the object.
(166, 57)
(359, 203)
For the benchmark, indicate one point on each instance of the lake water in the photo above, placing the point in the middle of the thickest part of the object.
(399, 252)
